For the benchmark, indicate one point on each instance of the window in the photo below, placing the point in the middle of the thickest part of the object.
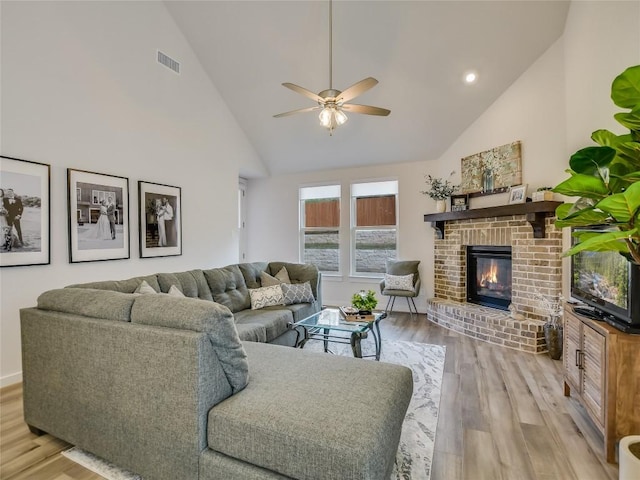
(320, 227)
(374, 226)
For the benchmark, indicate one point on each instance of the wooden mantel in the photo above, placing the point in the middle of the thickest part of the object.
(535, 213)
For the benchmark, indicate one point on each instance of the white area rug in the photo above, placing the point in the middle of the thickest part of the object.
(415, 452)
(99, 466)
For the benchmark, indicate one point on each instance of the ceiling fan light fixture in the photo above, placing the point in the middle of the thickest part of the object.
(332, 117)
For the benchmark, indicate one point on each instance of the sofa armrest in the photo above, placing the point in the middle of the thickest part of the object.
(136, 395)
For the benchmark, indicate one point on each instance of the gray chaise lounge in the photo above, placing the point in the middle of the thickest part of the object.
(165, 387)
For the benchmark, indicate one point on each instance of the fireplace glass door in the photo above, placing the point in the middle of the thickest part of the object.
(489, 276)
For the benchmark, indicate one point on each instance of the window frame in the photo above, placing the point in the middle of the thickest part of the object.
(303, 229)
(353, 228)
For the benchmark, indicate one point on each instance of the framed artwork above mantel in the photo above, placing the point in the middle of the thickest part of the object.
(492, 171)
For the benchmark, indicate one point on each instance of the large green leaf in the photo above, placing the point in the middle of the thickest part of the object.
(609, 241)
(625, 89)
(622, 206)
(590, 159)
(631, 119)
(585, 217)
(580, 185)
(605, 138)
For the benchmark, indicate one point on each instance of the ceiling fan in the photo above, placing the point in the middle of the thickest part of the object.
(332, 103)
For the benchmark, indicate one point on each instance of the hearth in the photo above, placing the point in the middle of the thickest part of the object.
(489, 276)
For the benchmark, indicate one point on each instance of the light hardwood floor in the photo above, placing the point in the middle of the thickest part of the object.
(502, 416)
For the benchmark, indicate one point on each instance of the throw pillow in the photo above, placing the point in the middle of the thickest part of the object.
(175, 292)
(297, 293)
(283, 275)
(398, 282)
(266, 297)
(145, 288)
(267, 280)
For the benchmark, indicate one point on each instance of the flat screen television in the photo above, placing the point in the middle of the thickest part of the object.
(609, 284)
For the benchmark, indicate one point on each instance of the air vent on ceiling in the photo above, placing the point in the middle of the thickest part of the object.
(168, 62)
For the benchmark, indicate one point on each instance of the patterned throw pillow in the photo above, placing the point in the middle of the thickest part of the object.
(266, 296)
(398, 282)
(298, 293)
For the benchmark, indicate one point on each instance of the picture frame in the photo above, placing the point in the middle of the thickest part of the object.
(159, 219)
(459, 202)
(492, 171)
(518, 194)
(98, 224)
(25, 212)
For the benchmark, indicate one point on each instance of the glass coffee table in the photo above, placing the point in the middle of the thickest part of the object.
(330, 325)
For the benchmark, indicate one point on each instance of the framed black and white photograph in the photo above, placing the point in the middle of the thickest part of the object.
(518, 194)
(459, 203)
(160, 214)
(98, 216)
(25, 212)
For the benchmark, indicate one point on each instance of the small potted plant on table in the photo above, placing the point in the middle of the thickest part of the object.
(365, 302)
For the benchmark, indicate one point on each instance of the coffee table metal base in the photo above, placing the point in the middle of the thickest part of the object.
(354, 339)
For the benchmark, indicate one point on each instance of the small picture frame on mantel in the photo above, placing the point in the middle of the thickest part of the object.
(459, 202)
(518, 194)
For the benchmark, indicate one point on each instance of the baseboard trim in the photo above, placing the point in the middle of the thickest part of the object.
(10, 379)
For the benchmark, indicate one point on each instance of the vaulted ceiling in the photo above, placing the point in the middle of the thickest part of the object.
(417, 50)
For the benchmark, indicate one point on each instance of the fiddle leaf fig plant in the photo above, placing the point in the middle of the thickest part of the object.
(606, 180)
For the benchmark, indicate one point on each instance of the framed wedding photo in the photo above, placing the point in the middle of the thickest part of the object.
(160, 217)
(518, 194)
(25, 212)
(98, 216)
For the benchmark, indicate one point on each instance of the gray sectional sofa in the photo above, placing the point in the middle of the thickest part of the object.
(205, 387)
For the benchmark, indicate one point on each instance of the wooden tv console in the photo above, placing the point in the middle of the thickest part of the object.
(602, 368)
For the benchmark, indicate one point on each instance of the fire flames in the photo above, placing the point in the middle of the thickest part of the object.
(489, 278)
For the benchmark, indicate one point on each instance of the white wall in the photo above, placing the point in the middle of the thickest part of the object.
(552, 108)
(81, 89)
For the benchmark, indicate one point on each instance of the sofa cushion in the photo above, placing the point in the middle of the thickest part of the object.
(266, 297)
(200, 316)
(251, 332)
(124, 286)
(274, 320)
(251, 273)
(300, 311)
(228, 287)
(274, 414)
(192, 283)
(299, 293)
(94, 303)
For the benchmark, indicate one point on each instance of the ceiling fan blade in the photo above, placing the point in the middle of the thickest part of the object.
(304, 91)
(300, 110)
(366, 109)
(357, 89)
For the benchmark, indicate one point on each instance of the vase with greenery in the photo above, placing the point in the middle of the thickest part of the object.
(365, 302)
(606, 180)
(439, 189)
(553, 328)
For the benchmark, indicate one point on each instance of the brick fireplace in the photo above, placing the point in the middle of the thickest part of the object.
(536, 266)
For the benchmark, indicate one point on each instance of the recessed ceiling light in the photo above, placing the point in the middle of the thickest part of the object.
(470, 77)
